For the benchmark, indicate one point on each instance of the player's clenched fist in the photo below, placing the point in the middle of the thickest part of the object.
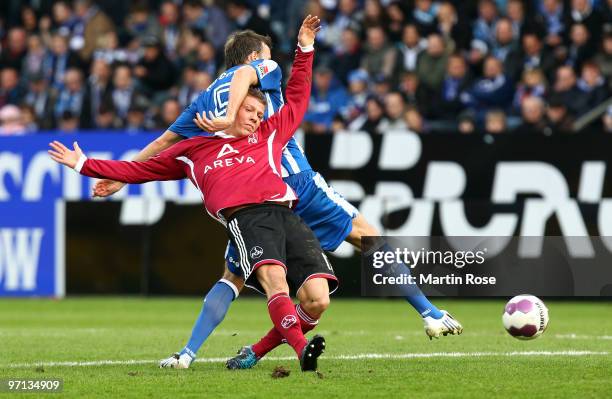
(308, 30)
(60, 153)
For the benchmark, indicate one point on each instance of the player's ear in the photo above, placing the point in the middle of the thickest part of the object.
(253, 56)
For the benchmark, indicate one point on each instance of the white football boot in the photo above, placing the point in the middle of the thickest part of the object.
(177, 361)
(443, 326)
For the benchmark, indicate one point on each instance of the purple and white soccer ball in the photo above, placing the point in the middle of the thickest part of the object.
(525, 317)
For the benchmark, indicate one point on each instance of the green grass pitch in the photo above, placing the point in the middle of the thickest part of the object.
(108, 347)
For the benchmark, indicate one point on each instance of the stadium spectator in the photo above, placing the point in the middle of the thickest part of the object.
(424, 15)
(59, 60)
(34, 58)
(466, 122)
(64, 19)
(558, 119)
(105, 117)
(582, 12)
(505, 48)
(456, 33)
(397, 20)
(604, 58)
(245, 18)
(211, 19)
(533, 83)
(11, 91)
(515, 11)
(327, 100)
(348, 16)
(154, 71)
(495, 122)
(565, 88)
(28, 118)
(431, 65)
(381, 86)
(592, 85)
(40, 99)
(68, 122)
(536, 55)
(374, 14)
(169, 28)
(580, 48)
(395, 106)
(170, 110)
(493, 90)
(532, 112)
(410, 48)
(415, 94)
(11, 123)
(140, 23)
(446, 102)
(92, 24)
(380, 56)
(414, 120)
(136, 119)
(205, 60)
(347, 56)
(71, 99)
(187, 91)
(358, 89)
(15, 50)
(554, 17)
(99, 87)
(371, 119)
(124, 92)
(29, 20)
(484, 26)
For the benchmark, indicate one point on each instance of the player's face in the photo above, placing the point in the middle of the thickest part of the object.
(250, 115)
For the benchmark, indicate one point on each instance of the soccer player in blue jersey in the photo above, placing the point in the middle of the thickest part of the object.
(327, 213)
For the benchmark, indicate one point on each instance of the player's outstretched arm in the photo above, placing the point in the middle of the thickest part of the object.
(158, 168)
(299, 85)
(106, 187)
(243, 78)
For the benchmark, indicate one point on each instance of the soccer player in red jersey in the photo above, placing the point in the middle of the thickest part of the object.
(237, 174)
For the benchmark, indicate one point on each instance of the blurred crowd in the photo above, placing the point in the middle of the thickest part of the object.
(540, 66)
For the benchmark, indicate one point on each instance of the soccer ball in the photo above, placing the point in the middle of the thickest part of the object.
(525, 317)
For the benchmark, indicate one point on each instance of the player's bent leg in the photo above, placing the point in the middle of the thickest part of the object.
(361, 228)
(314, 300)
(215, 307)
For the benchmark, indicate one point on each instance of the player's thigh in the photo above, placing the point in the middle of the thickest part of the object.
(305, 257)
(259, 238)
(272, 279)
(323, 209)
(360, 228)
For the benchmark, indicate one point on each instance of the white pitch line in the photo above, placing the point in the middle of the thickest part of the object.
(361, 356)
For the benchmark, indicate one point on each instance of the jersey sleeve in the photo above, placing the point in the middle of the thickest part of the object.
(163, 166)
(269, 74)
(288, 119)
(184, 124)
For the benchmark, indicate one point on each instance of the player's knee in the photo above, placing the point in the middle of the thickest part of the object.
(238, 281)
(317, 306)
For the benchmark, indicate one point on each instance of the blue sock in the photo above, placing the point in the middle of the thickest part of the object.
(415, 296)
(216, 304)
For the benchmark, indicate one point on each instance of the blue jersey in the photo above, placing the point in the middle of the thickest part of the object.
(216, 97)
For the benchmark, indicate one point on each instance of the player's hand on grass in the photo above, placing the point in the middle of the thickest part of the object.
(105, 187)
(212, 124)
(308, 30)
(60, 153)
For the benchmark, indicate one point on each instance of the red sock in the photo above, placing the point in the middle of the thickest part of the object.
(273, 338)
(286, 321)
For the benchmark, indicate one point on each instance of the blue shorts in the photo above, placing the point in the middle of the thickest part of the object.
(323, 209)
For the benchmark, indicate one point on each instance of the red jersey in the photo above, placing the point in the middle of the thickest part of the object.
(228, 171)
